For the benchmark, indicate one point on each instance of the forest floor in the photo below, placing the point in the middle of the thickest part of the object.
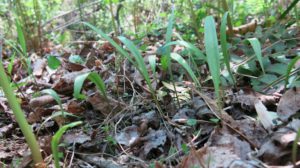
(129, 129)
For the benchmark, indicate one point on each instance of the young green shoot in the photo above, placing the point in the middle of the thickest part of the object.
(136, 59)
(257, 50)
(213, 55)
(55, 141)
(289, 69)
(224, 46)
(93, 77)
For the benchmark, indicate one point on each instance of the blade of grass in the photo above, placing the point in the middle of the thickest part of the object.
(224, 46)
(141, 66)
(56, 138)
(198, 53)
(289, 69)
(56, 114)
(55, 96)
(213, 55)
(257, 49)
(186, 66)
(152, 62)
(21, 37)
(118, 47)
(169, 37)
(93, 77)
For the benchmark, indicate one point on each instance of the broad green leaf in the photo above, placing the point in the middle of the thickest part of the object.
(224, 45)
(93, 77)
(257, 49)
(56, 139)
(212, 52)
(289, 69)
(186, 66)
(53, 62)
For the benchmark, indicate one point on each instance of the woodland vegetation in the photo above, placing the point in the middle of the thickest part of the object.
(149, 83)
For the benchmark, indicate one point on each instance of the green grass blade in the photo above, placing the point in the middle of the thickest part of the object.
(257, 49)
(168, 39)
(21, 38)
(152, 62)
(186, 66)
(56, 114)
(289, 69)
(56, 138)
(212, 52)
(118, 47)
(198, 53)
(53, 94)
(140, 64)
(224, 45)
(93, 77)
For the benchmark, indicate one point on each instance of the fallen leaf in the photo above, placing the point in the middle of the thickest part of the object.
(128, 135)
(263, 115)
(192, 160)
(289, 104)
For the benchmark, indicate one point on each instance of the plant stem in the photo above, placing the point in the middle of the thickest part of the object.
(225, 8)
(20, 117)
(113, 18)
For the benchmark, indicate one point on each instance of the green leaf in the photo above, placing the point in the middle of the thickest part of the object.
(76, 59)
(56, 139)
(215, 120)
(21, 38)
(53, 94)
(152, 62)
(257, 49)
(53, 62)
(224, 45)
(185, 148)
(56, 114)
(111, 41)
(186, 66)
(139, 60)
(191, 122)
(289, 69)
(212, 52)
(168, 39)
(198, 53)
(93, 77)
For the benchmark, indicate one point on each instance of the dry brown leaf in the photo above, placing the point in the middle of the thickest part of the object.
(192, 160)
(41, 101)
(289, 104)
(38, 67)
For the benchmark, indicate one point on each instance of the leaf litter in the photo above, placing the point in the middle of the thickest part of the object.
(255, 129)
